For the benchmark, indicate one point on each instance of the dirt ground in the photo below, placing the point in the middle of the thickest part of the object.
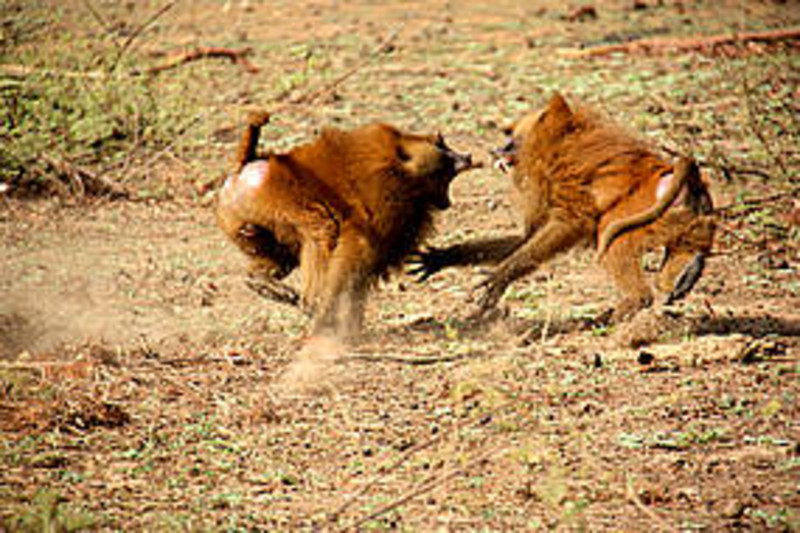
(143, 387)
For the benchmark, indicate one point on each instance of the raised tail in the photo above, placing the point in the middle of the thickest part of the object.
(249, 141)
(685, 168)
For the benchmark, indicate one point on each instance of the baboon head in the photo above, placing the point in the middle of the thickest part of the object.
(430, 165)
(546, 124)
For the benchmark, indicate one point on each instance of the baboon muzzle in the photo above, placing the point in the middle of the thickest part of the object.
(461, 162)
(688, 277)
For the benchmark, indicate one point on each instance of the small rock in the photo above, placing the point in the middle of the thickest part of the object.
(645, 358)
(732, 509)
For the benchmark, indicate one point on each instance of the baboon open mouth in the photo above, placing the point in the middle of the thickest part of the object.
(505, 157)
(461, 163)
(504, 164)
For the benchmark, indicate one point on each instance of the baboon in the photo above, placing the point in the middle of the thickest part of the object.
(345, 209)
(580, 179)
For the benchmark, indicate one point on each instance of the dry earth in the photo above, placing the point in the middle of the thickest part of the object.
(144, 387)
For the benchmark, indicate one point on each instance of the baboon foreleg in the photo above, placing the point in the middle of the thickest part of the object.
(479, 252)
(555, 236)
(345, 285)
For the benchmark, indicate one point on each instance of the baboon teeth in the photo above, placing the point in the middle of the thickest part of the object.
(502, 165)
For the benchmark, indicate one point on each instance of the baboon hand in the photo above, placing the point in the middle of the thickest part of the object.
(486, 295)
(425, 264)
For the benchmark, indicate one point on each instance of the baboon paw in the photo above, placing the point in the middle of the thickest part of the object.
(424, 264)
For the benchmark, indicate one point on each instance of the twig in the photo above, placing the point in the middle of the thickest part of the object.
(138, 31)
(688, 43)
(757, 202)
(635, 500)
(328, 88)
(426, 485)
(406, 360)
(100, 20)
(23, 71)
(384, 469)
(237, 56)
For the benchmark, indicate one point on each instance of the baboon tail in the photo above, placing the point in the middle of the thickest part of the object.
(685, 168)
(249, 141)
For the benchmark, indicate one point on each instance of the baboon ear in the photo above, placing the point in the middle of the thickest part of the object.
(558, 107)
(402, 153)
(558, 116)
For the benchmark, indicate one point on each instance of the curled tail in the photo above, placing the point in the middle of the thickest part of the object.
(249, 141)
(685, 169)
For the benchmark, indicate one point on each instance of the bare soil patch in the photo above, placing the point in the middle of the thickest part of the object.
(143, 387)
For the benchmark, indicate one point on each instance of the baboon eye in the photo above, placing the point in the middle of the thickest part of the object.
(402, 155)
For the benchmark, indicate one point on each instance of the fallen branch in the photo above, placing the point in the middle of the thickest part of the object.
(688, 43)
(237, 56)
(426, 485)
(138, 31)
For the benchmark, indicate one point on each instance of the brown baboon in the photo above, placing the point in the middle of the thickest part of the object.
(579, 178)
(346, 209)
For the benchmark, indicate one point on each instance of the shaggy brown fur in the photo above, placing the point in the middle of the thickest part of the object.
(580, 179)
(345, 209)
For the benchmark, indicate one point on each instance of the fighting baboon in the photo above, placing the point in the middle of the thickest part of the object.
(346, 209)
(579, 178)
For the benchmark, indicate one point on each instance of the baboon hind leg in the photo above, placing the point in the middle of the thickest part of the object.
(623, 262)
(270, 262)
(264, 283)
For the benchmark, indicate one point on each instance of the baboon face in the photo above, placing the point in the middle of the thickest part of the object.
(506, 156)
(431, 164)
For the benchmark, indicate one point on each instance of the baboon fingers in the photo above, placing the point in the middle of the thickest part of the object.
(426, 264)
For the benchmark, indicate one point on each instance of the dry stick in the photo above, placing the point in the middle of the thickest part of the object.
(405, 359)
(100, 20)
(426, 485)
(237, 56)
(138, 31)
(747, 204)
(689, 43)
(329, 87)
(427, 443)
(634, 498)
